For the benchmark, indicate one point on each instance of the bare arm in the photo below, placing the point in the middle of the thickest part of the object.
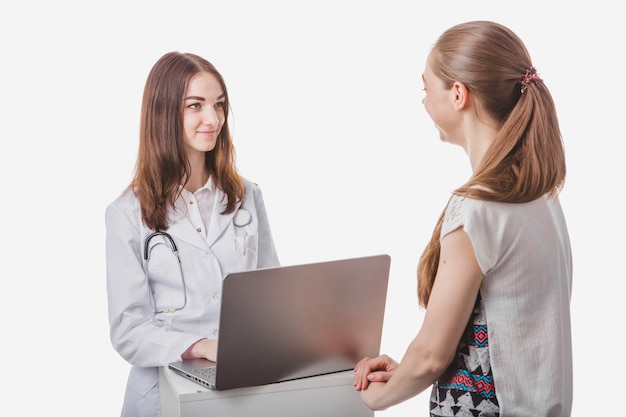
(382, 382)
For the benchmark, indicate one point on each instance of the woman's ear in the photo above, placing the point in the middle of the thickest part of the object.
(460, 96)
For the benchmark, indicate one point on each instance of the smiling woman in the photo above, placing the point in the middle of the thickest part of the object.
(186, 220)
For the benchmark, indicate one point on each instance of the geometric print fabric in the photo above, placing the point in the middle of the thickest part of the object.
(467, 388)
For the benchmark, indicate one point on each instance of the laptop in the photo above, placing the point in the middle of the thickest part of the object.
(290, 322)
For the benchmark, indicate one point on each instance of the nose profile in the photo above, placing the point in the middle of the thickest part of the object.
(211, 118)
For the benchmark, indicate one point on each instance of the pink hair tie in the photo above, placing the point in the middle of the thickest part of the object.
(530, 76)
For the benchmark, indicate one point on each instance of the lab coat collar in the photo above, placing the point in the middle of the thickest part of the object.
(182, 228)
(219, 221)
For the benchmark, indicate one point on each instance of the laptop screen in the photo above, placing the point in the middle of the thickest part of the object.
(296, 321)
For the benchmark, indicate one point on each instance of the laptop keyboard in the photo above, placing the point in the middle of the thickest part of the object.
(208, 372)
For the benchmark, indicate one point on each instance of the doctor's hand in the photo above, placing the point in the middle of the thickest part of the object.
(378, 369)
(203, 348)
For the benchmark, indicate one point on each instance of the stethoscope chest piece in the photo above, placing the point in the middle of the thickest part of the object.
(242, 218)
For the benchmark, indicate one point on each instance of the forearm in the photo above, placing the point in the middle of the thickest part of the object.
(420, 367)
(407, 381)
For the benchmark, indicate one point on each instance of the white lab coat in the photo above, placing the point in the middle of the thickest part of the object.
(148, 340)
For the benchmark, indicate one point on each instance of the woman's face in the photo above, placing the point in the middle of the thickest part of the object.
(439, 103)
(203, 114)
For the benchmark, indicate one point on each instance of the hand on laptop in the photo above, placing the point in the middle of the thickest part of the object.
(377, 369)
(203, 348)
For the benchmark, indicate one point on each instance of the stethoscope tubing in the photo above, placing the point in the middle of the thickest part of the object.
(146, 256)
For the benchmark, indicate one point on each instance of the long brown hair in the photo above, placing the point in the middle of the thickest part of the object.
(527, 159)
(162, 165)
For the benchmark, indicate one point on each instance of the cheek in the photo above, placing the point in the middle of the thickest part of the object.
(435, 107)
(428, 108)
(190, 125)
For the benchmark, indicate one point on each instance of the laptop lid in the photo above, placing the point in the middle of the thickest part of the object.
(297, 321)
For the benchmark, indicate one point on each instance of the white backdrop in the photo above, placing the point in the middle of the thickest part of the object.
(327, 118)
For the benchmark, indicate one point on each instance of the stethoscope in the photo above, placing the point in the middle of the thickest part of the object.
(146, 257)
(241, 218)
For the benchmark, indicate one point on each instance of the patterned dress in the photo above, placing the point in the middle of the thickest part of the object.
(466, 388)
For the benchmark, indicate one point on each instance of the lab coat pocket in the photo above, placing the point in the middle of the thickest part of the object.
(247, 251)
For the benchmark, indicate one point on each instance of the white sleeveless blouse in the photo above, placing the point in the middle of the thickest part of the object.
(525, 255)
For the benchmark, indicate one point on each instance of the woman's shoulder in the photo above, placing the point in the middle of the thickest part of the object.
(494, 216)
(251, 188)
(249, 184)
(464, 205)
(453, 217)
(126, 202)
(462, 209)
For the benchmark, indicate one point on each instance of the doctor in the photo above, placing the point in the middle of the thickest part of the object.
(186, 220)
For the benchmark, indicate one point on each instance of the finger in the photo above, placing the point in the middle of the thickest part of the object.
(380, 376)
(361, 384)
(361, 371)
(360, 378)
